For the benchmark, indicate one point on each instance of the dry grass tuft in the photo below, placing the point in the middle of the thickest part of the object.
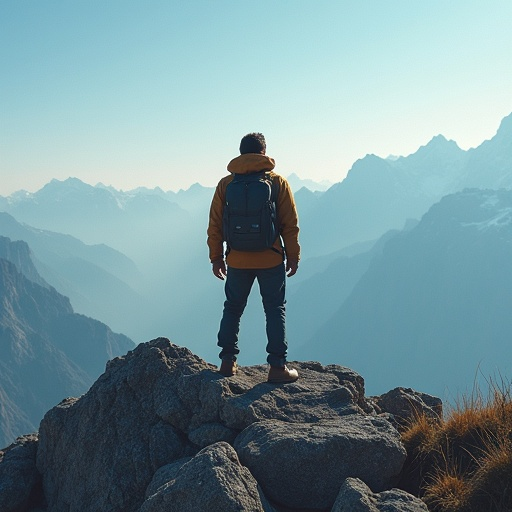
(463, 463)
(447, 492)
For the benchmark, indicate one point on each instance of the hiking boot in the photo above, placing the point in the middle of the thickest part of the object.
(282, 375)
(228, 368)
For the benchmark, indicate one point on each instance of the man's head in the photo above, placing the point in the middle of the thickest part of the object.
(253, 143)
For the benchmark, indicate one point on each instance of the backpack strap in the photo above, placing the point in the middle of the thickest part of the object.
(275, 191)
(274, 194)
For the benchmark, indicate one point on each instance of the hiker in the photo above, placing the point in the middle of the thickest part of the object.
(265, 247)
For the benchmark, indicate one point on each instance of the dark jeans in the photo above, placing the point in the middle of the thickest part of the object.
(272, 289)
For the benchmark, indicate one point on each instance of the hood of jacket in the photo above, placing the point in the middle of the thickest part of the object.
(251, 162)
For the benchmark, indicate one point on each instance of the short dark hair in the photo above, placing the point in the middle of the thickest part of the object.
(253, 143)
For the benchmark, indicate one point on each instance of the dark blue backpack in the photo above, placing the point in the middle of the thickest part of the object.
(250, 213)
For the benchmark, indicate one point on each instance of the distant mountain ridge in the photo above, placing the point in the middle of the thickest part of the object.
(377, 195)
(94, 277)
(380, 194)
(51, 245)
(95, 214)
(47, 352)
(297, 183)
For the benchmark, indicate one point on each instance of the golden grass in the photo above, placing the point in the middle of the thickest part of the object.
(463, 463)
(447, 492)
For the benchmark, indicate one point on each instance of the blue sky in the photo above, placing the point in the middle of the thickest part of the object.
(159, 93)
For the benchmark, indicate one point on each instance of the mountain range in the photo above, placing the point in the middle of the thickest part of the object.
(159, 281)
(431, 308)
(380, 194)
(99, 280)
(297, 183)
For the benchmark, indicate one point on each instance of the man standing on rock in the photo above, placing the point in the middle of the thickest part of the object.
(253, 211)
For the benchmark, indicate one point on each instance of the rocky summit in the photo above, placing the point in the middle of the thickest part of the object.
(162, 431)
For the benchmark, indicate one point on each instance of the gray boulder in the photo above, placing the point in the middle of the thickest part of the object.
(356, 496)
(405, 405)
(212, 480)
(303, 465)
(19, 478)
(99, 452)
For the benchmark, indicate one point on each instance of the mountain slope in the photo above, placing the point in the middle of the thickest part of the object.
(18, 252)
(326, 291)
(434, 307)
(53, 248)
(490, 164)
(47, 352)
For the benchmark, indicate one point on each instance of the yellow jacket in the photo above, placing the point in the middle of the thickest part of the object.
(286, 212)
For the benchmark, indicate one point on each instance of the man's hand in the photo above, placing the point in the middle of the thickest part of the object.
(291, 267)
(219, 269)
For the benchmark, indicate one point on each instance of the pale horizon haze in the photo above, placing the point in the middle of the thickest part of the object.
(158, 93)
